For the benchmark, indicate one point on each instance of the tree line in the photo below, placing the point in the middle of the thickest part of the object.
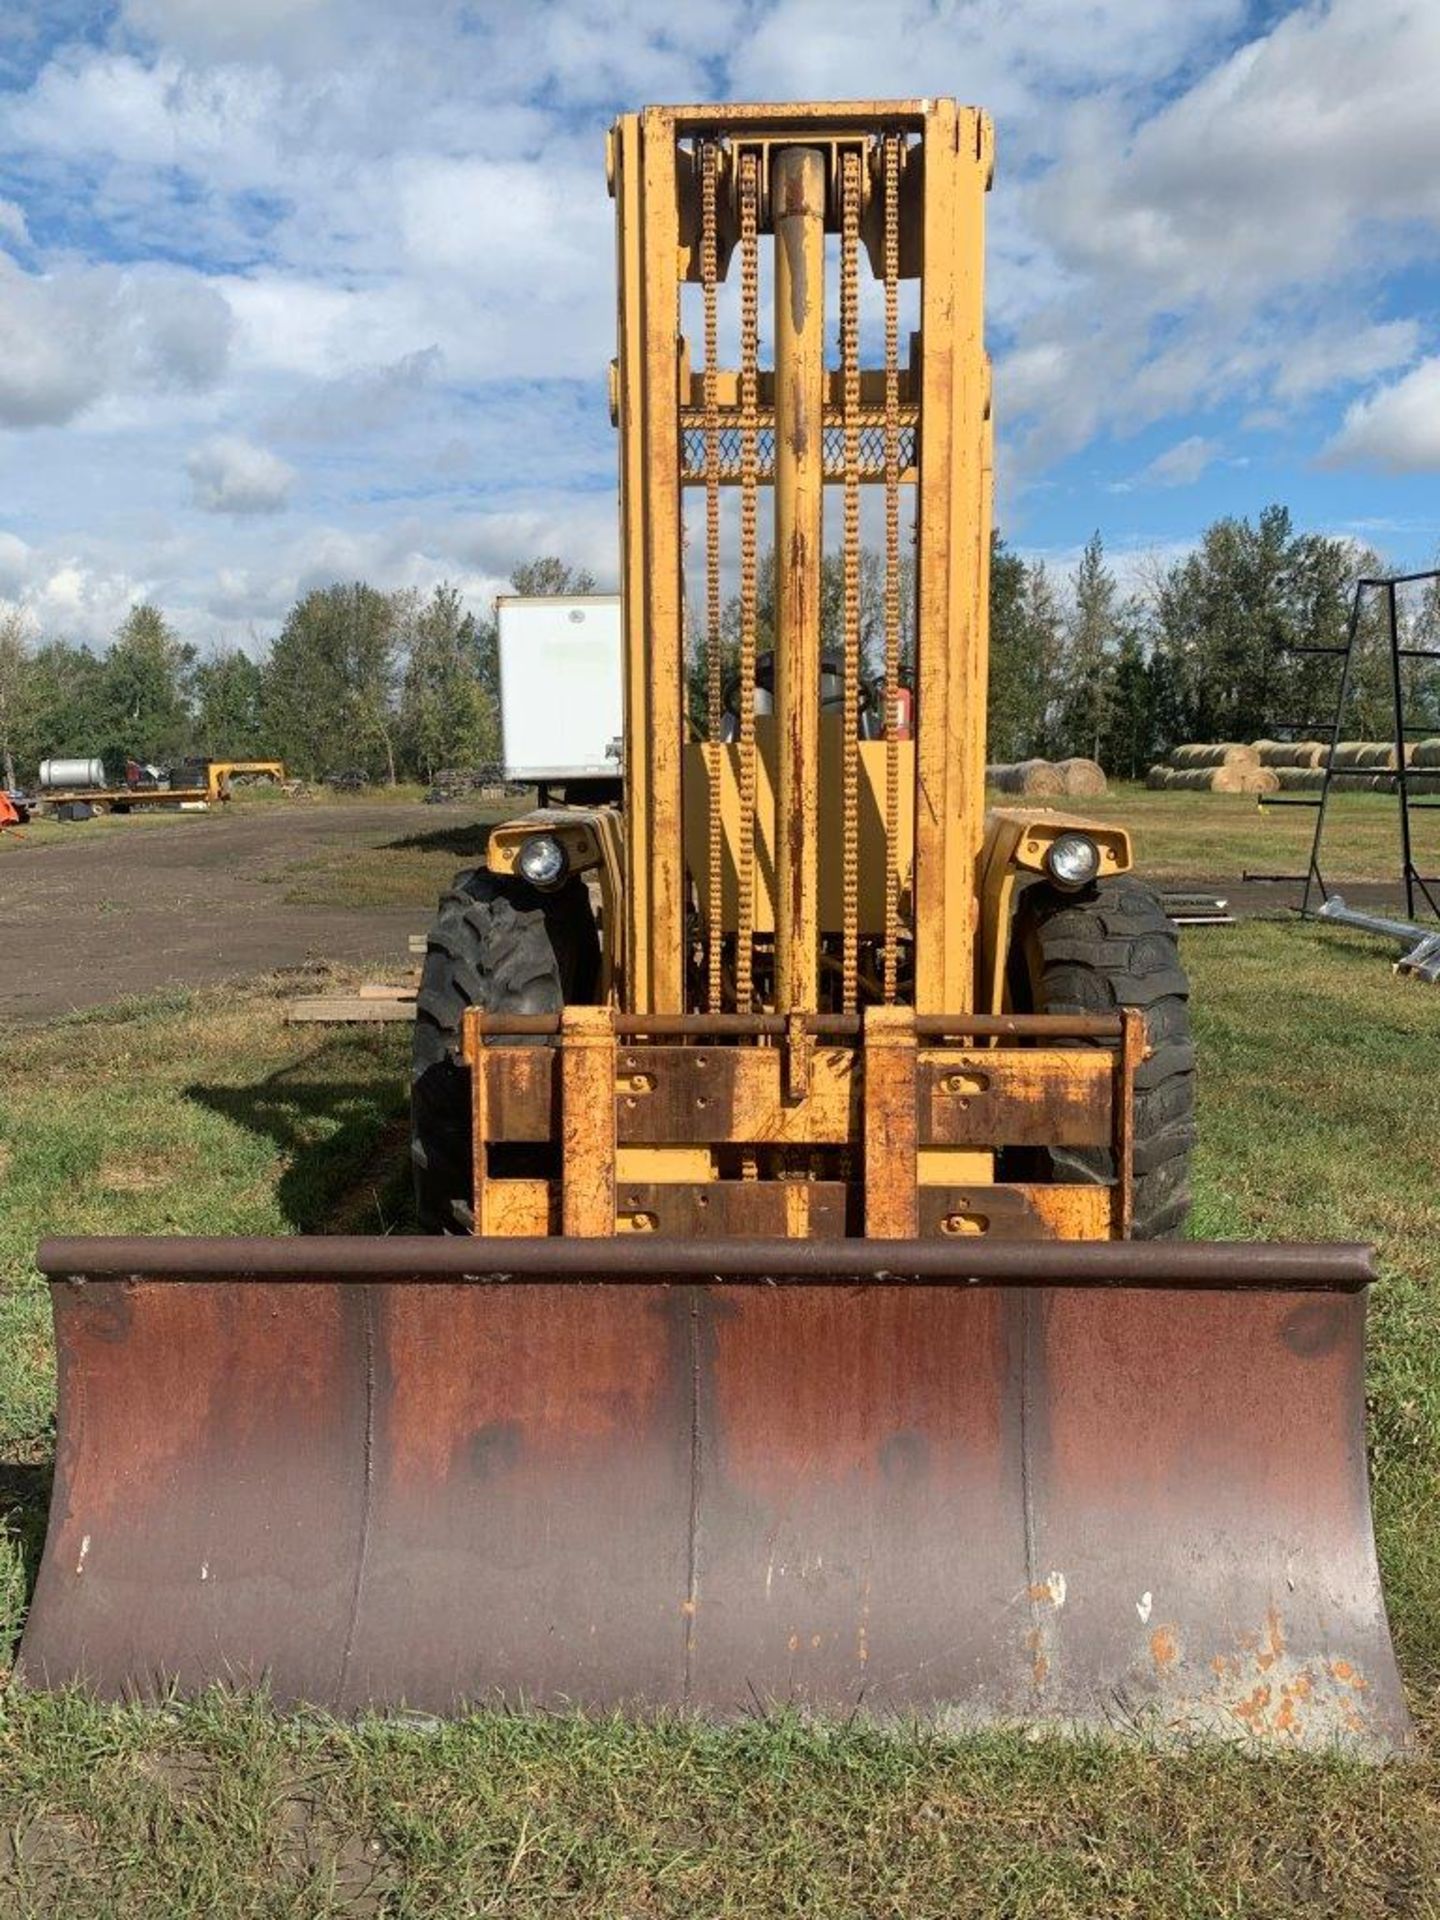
(1212, 646)
(1230, 642)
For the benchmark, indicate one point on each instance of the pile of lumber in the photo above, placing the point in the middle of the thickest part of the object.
(1048, 779)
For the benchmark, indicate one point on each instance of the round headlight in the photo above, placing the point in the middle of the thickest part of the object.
(1073, 860)
(542, 860)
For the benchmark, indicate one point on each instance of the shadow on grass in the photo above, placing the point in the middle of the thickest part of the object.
(344, 1140)
(24, 1505)
(468, 841)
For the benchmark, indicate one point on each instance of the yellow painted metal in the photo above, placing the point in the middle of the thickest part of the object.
(952, 536)
(647, 404)
(890, 1117)
(870, 814)
(587, 1121)
(782, 861)
(220, 773)
(797, 195)
(1014, 846)
(594, 840)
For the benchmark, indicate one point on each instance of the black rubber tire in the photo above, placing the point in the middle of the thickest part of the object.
(500, 944)
(1108, 947)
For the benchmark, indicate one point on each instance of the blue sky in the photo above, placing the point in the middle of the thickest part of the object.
(293, 290)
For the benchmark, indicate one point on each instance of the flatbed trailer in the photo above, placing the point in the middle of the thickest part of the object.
(126, 799)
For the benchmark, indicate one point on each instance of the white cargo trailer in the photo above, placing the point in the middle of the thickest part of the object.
(560, 687)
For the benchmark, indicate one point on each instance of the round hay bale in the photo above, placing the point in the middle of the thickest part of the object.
(1225, 753)
(1255, 779)
(1200, 779)
(1033, 779)
(1084, 779)
(1425, 753)
(1364, 753)
(1299, 779)
(1291, 753)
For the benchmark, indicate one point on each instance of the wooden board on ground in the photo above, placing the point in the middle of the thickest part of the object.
(341, 1009)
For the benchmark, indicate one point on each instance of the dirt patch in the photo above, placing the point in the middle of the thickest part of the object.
(195, 902)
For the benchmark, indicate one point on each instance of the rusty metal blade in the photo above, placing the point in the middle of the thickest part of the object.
(952, 1496)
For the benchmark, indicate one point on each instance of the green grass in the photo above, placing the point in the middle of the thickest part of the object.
(1199, 836)
(385, 869)
(203, 1113)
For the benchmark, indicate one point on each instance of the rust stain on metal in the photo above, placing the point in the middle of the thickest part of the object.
(1274, 1644)
(890, 1464)
(1348, 1676)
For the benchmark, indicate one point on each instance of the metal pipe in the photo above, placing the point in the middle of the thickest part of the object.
(1407, 930)
(630, 1259)
(797, 198)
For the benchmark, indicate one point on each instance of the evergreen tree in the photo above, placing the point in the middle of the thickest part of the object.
(229, 707)
(447, 715)
(145, 690)
(329, 699)
(62, 709)
(14, 661)
(1090, 640)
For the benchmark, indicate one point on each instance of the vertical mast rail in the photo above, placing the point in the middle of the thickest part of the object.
(797, 201)
(850, 725)
(715, 702)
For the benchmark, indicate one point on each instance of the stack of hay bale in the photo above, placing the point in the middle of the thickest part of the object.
(1049, 779)
(1297, 766)
(1224, 767)
(1424, 767)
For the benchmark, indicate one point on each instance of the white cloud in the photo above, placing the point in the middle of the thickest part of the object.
(71, 337)
(1396, 428)
(13, 225)
(1182, 464)
(1222, 245)
(402, 275)
(223, 28)
(15, 563)
(1345, 357)
(231, 475)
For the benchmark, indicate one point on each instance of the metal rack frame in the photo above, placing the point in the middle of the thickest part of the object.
(1416, 884)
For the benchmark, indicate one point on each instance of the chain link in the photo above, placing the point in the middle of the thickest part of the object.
(850, 365)
(715, 702)
(749, 395)
(891, 954)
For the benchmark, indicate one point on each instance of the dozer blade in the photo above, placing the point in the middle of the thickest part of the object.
(1094, 1485)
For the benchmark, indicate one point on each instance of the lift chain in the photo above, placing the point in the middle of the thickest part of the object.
(714, 751)
(850, 734)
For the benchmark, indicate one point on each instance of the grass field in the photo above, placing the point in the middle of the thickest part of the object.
(1177, 836)
(202, 1113)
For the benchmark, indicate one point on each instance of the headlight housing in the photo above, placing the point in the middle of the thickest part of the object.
(542, 860)
(1072, 861)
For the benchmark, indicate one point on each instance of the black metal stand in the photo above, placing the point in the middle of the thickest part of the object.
(1416, 884)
